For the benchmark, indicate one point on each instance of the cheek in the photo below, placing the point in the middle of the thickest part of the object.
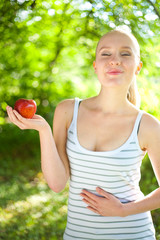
(102, 63)
(131, 65)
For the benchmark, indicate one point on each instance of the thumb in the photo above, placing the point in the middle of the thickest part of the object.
(102, 192)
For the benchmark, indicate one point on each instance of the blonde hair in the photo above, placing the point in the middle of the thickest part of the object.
(133, 94)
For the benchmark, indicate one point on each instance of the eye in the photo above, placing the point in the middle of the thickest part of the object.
(106, 54)
(125, 54)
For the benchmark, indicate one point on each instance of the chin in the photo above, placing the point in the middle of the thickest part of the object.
(111, 83)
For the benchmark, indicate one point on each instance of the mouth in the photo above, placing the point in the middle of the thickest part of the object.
(114, 72)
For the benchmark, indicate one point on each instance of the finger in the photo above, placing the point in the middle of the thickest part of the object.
(90, 195)
(102, 192)
(10, 114)
(88, 200)
(36, 116)
(19, 117)
(93, 209)
(20, 121)
(13, 118)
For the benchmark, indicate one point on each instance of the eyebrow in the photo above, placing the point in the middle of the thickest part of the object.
(111, 47)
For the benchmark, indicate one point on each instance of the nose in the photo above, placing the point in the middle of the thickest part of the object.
(115, 61)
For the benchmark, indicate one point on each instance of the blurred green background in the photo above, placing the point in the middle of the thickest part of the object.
(46, 53)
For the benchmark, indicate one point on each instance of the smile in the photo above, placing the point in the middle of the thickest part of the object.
(114, 73)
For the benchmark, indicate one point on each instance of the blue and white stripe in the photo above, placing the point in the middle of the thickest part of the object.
(117, 172)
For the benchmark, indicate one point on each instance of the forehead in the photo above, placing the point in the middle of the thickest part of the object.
(116, 39)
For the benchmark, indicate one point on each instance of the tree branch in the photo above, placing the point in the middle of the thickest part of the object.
(33, 4)
(155, 9)
(59, 42)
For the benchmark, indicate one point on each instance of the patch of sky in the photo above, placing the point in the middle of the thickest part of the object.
(85, 6)
(127, 22)
(51, 12)
(112, 4)
(57, 2)
(99, 6)
(150, 16)
(34, 19)
(21, 1)
(138, 13)
(46, 4)
(22, 15)
(112, 25)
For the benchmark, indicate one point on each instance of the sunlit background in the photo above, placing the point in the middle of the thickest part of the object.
(47, 49)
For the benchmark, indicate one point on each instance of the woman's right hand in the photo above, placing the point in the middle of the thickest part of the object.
(37, 122)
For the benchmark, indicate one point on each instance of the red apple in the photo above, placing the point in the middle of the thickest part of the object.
(26, 107)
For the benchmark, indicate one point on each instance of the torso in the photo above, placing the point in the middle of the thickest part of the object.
(117, 172)
(103, 132)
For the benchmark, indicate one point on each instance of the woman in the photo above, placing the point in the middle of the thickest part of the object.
(99, 144)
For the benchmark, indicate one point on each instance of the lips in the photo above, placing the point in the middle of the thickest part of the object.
(114, 71)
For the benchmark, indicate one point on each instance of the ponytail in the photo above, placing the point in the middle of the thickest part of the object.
(133, 94)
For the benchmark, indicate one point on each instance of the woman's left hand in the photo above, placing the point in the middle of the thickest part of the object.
(107, 205)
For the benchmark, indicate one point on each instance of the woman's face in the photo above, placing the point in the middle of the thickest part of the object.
(116, 60)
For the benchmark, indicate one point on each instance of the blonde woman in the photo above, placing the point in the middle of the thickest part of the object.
(99, 143)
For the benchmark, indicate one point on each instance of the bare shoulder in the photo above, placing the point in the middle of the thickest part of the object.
(149, 129)
(149, 121)
(64, 110)
(65, 105)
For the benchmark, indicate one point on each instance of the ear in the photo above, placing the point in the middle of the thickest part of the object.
(139, 68)
(94, 65)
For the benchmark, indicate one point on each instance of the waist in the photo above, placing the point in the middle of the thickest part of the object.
(125, 193)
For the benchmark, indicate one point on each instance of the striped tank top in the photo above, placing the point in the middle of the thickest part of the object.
(117, 172)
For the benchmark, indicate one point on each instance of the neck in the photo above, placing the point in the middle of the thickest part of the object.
(112, 101)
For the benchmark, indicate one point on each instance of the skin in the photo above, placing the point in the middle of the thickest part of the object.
(119, 50)
(100, 119)
(111, 54)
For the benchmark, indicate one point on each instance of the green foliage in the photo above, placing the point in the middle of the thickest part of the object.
(46, 52)
(29, 210)
(47, 47)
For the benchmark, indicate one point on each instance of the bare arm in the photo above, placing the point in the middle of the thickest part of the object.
(54, 161)
(152, 145)
(55, 171)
